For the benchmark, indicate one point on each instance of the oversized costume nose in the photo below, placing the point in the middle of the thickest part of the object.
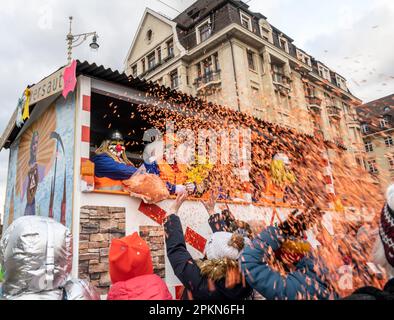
(119, 148)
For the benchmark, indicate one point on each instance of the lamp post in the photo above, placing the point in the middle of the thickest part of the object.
(73, 39)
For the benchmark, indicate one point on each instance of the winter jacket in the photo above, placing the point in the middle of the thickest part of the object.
(302, 284)
(189, 273)
(371, 293)
(106, 167)
(147, 287)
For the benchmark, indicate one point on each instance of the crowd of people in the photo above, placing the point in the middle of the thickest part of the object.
(36, 253)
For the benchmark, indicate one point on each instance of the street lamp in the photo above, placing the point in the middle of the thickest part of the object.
(73, 39)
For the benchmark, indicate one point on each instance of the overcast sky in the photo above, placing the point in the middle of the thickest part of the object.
(353, 37)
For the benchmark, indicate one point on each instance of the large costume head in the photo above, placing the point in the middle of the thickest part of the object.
(36, 254)
(281, 171)
(114, 147)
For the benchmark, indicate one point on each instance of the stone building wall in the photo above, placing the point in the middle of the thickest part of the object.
(154, 237)
(98, 226)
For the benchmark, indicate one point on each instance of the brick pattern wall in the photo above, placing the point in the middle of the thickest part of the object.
(98, 226)
(154, 237)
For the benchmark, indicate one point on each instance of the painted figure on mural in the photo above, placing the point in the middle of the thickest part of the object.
(36, 154)
(32, 177)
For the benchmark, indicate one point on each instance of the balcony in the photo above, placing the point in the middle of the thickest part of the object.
(334, 112)
(208, 81)
(340, 142)
(314, 104)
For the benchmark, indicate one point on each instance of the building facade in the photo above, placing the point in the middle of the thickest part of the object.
(377, 122)
(221, 51)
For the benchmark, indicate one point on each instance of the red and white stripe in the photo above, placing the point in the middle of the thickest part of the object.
(84, 122)
(85, 127)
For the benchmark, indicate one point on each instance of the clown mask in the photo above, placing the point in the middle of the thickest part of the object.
(117, 148)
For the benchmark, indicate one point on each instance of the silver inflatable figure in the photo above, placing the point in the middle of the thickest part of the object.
(36, 254)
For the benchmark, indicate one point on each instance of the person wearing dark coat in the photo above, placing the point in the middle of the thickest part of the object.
(371, 293)
(212, 278)
(300, 283)
(383, 254)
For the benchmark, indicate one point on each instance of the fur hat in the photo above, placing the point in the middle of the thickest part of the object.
(225, 245)
(384, 247)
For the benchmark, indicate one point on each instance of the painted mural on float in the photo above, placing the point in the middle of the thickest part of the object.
(41, 166)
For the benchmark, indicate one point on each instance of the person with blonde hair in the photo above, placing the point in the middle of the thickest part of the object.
(277, 179)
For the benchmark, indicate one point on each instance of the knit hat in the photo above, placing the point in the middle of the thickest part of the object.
(390, 197)
(129, 257)
(219, 246)
(384, 249)
(386, 231)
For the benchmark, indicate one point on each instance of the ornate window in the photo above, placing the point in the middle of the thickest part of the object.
(251, 60)
(246, 21)
(204, 31)
(372, 166)
(368, 146)
(389, 142)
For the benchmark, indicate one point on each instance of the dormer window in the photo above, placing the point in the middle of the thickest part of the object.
(304, 58)
(284, 44)
(246, 21)
(341, 82)
(203, 31)
(365, 128)
(266, 30)
(324, 72)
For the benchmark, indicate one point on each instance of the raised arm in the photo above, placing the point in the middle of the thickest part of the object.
(268, 282)
(180, 259)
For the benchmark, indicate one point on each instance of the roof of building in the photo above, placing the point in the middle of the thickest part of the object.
(197, 11)
(372, 112)
(201, 9)
(90, 70)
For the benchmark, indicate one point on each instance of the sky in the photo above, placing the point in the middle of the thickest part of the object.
(352, 37)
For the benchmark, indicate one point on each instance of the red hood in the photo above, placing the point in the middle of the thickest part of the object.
(148, 287)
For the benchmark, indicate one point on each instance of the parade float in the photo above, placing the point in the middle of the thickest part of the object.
(61, 121)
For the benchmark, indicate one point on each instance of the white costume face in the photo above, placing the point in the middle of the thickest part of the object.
(284, 158)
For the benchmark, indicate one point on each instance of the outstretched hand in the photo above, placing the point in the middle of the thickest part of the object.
(180, 199)
(210, 204)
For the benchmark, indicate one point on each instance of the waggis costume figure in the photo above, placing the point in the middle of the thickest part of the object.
(111, 164)
(278, 179)
(174, 175)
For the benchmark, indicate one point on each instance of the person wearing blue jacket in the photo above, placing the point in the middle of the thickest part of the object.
(111, 165)
(301, 283)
